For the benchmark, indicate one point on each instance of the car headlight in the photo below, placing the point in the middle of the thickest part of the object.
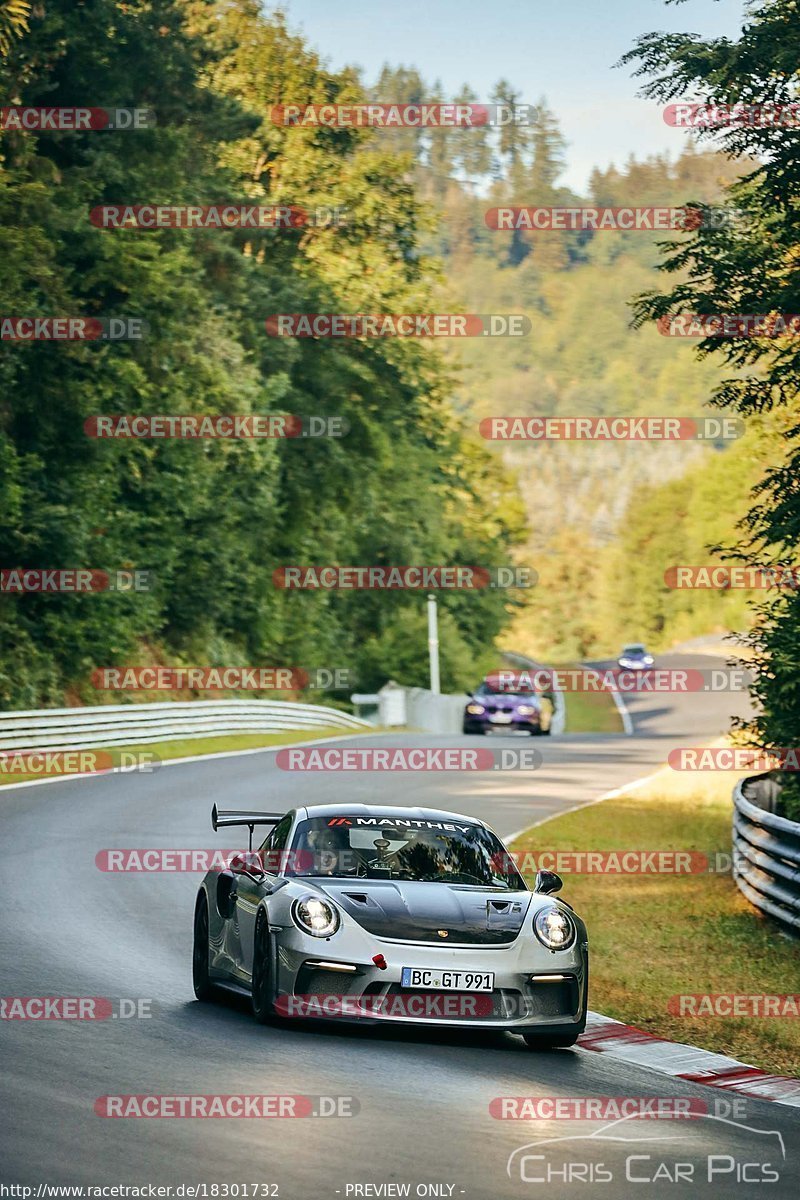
(554, 928)
(315, 916)
(475, 709)
(525, 710)
(648, 658)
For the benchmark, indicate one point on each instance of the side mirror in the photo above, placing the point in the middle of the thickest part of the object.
(246, 862)
(547, 882)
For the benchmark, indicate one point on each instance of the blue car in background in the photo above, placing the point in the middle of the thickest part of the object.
(635, 658)
(490, 708)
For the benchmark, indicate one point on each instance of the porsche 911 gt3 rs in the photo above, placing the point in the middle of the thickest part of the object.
(409, 915)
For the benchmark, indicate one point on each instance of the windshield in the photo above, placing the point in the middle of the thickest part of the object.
(403, 849)
(633, 651)
(487, 689)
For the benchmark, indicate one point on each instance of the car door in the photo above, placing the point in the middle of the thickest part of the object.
(253, 885)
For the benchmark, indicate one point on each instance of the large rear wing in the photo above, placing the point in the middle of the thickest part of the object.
(242, 816)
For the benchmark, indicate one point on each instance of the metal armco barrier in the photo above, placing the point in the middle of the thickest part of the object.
(133, 724)
(766, 851)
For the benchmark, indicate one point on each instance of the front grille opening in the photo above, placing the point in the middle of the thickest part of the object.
(316, 981)
(557, 999)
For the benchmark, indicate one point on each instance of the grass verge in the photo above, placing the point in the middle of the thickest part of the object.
(657, 936)
(592, 712)
(183, 748)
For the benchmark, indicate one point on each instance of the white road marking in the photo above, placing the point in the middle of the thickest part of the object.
(173, 762)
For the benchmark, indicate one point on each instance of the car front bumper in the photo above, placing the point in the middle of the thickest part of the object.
(535, 990)
(477, 724)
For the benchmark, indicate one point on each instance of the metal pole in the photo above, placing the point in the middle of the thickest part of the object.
(433, 644)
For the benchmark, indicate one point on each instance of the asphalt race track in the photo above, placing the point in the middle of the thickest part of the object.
(69, 929)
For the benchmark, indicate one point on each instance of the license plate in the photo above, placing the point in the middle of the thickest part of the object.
(500, 718)
(448, 981)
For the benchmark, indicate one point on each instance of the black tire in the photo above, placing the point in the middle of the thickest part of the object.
(201, 980)
(261, 990)
(538, 1041)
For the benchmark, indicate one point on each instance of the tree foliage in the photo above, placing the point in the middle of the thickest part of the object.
(754, 268)
(211, 520)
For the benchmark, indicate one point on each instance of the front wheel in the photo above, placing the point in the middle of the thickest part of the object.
(260, 999)
(201, 980)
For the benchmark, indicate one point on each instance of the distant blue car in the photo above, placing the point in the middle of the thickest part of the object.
(489, 707)
(635, 658)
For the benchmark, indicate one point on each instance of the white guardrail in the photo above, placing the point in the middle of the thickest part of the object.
(766, 850)
(133, 724)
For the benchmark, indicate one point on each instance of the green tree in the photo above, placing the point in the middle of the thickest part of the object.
(210, 521)
(13, 22)
(749, 267)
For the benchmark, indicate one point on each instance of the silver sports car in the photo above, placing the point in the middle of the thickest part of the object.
(407, 915)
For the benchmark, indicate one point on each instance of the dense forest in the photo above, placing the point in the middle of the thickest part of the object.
(604, 519)
(211, 520)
